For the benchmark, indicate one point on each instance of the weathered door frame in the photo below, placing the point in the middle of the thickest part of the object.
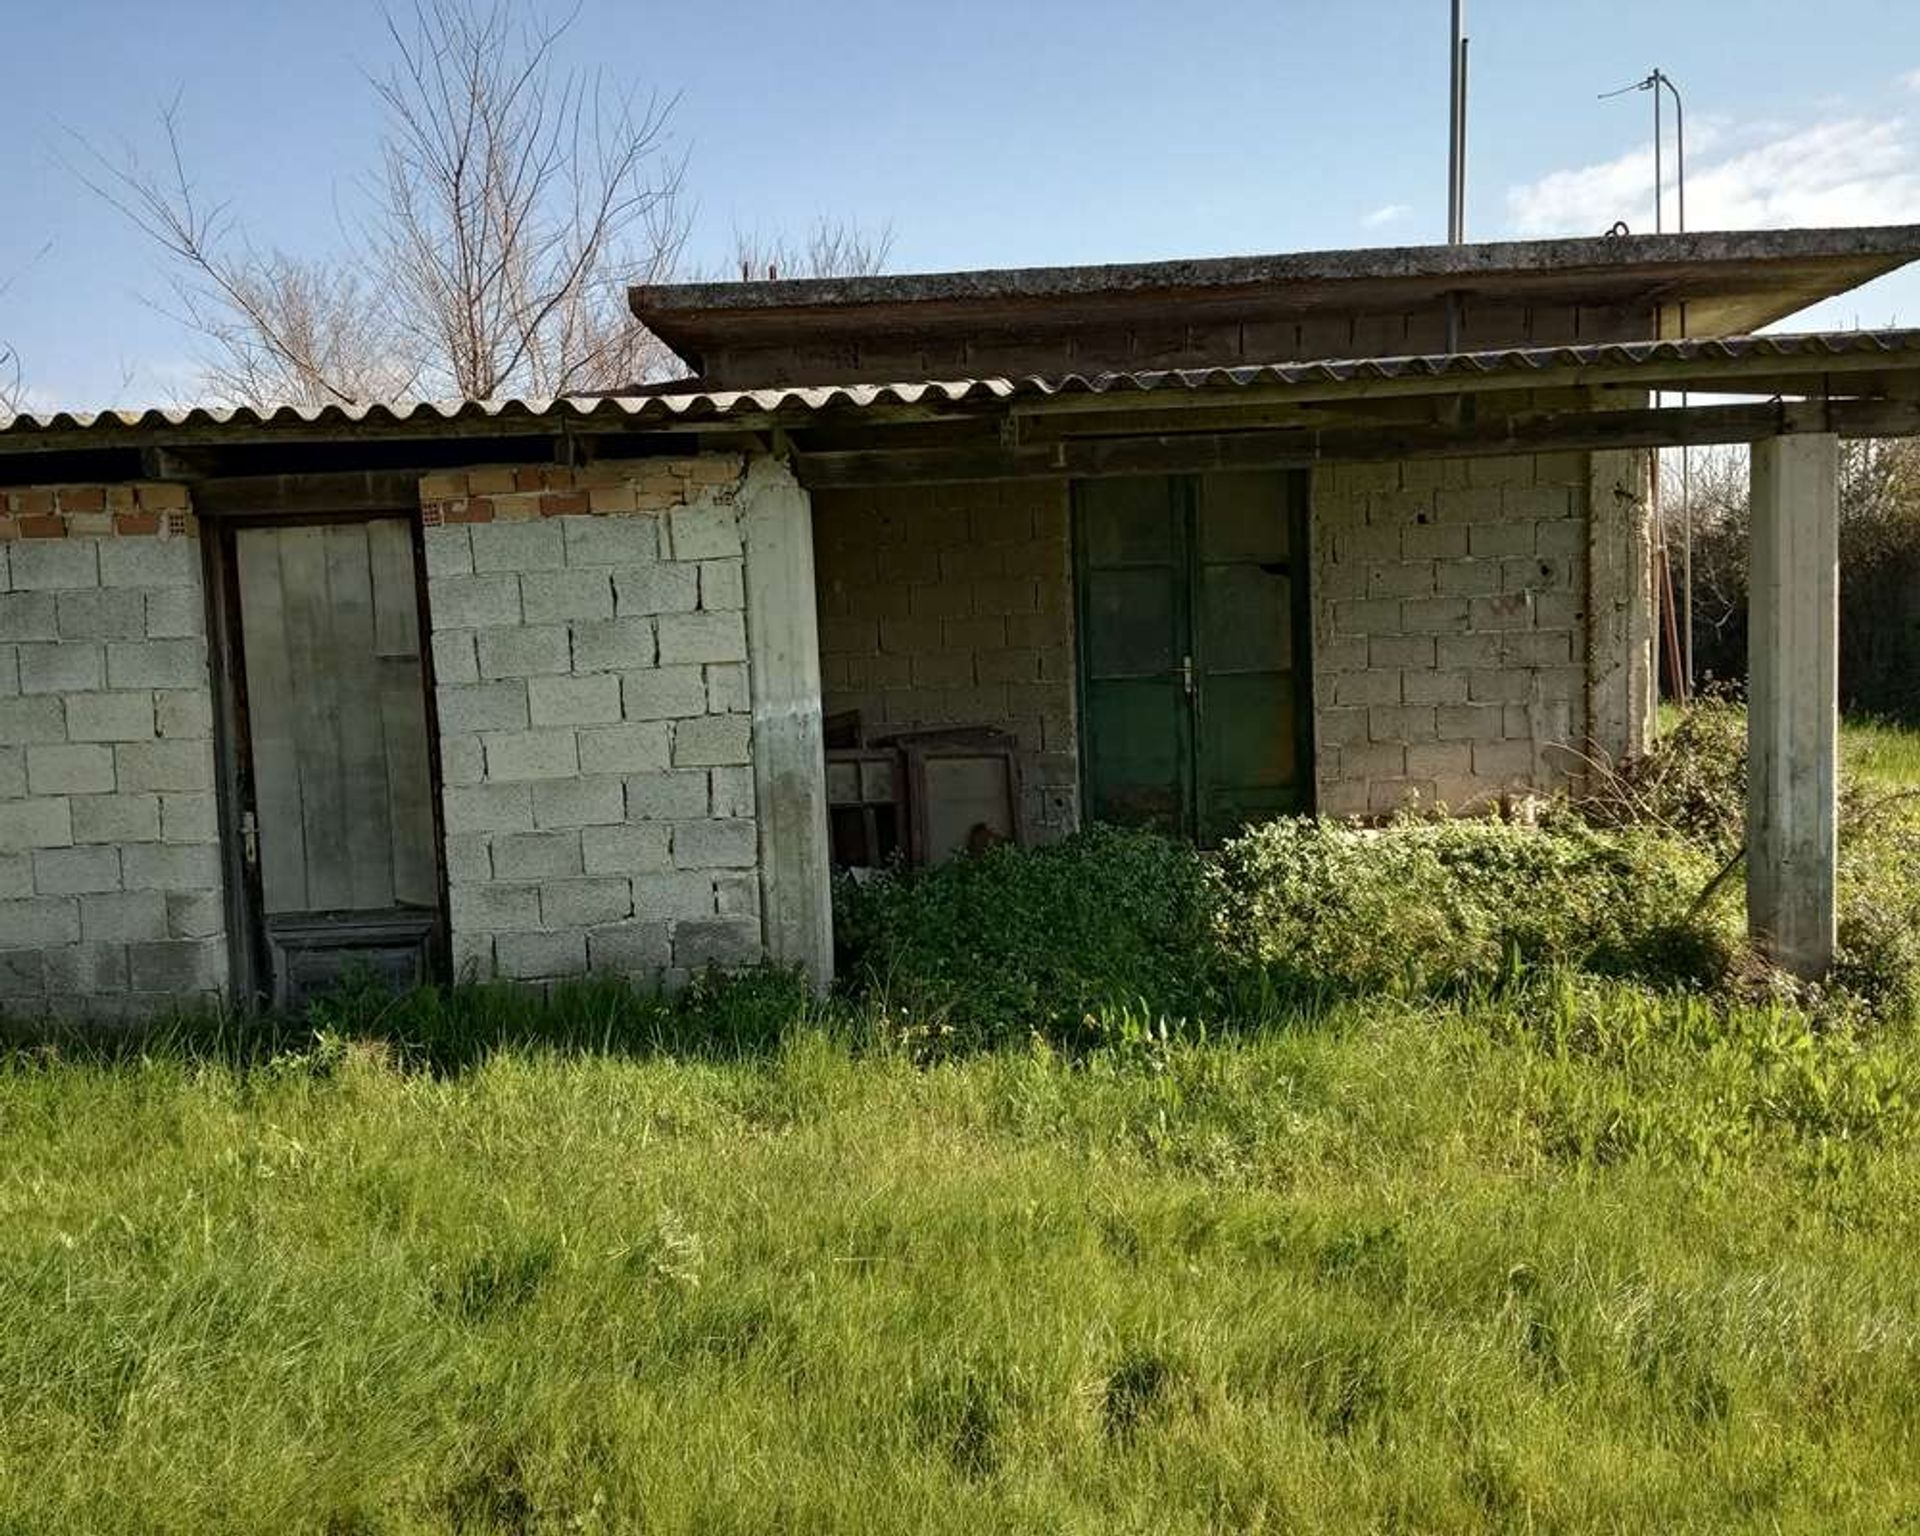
(1298, 511)
(224, 507)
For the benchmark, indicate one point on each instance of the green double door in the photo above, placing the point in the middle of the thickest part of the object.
(1193, 650)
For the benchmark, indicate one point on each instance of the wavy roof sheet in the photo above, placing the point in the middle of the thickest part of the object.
(668, 411)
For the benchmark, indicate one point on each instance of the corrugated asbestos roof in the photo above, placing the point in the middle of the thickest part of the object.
(668, 411)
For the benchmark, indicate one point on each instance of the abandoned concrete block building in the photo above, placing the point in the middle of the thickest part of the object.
(540, 689)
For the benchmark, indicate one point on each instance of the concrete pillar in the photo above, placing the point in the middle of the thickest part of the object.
(1793, 678)
(1620, 673)
(789, 750)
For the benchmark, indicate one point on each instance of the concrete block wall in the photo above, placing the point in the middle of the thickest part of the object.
(1449, 636)
(590, 665)
(953, 605)
(110, 879)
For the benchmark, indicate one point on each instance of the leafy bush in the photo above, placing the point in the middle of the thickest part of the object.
(1878, 956)
(1422, 905)
(1037, 938)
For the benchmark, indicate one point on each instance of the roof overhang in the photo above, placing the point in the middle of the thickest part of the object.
(1730, 282)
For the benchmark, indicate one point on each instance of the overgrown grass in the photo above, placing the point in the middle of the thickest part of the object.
(1197, 1235)
(1581, 1259)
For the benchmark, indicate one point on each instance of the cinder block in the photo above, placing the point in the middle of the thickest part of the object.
(722, 589)
(1510, 761)
(668, 796)
(537, 855)
(625, 749)
(518, 547)
(581, 903)
(454, 660)
(701, 637)
(715, 845)
(196, 914)
(634, 948)
(70, 770)
(462, 759)
(125, 917)
(703, 532)
(177, 966)
(1467, 722)
(713, 741)
(100, 614)
(48, 565)
(146, 562)
(488, 808)
(23, 978)
(727, 691)
(39, 923)
(646, 590)
(1373, 687)
(578, 802)
(1435, 615)
(625, 540)
(189, 819)
(494, 905)
(38, 823)
(663, 693)
(612, 645)
(680, 894)
(737, 895)
(157, 664)
(726, 942)
(592, 700)
(474, 602)
(531, 956)
(513, 756)
(1376, 760)
(184, 714)
(732, 792)
(483, 707)
(28, 616)
(473, 956)
(1486, 540)
(534, 651)
(77, 971)
(1400, 722)
(176, 613)
(449, 552)
(469, 857)
(550, 597)
(170, 867)
(120, 717)
(164, 765)
(116, 819)
(16, 875)
(1435, 687)
(71, 667)
(76, 871)
(630, 849)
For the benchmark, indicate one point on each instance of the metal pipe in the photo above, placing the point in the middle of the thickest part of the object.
(1454, 173)
(1461, 235)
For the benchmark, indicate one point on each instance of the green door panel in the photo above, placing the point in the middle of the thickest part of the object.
(1193, 635)
(1135, 730)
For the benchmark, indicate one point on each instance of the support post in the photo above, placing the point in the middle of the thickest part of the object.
(1793, 677)
(1621, 671)
(789, 748)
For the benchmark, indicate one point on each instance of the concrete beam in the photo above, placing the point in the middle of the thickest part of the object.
(1620, 608)
(789, 749)
(1793, 672)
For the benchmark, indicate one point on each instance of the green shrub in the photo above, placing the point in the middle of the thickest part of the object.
(1019, 939)
(1693, 781)
(1424, 905)
(1878, 956)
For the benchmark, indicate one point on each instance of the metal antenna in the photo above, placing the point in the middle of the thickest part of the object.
(1656, 81)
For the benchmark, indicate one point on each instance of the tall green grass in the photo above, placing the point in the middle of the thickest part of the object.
(1576, 1258)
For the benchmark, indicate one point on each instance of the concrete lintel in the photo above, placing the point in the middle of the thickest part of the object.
(1793, 701)
(789, 748)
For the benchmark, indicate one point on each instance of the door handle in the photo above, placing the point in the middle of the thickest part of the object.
(1186, 674)
(250, 839)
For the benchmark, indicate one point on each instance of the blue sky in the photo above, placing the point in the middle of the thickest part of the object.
(987, 134)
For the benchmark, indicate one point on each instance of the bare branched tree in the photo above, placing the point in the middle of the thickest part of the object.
(834, 247)
(515, 202)
(13, 382)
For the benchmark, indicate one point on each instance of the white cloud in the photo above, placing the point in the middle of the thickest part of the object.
(1911, 79)
(1857, 170)
(1392, 213)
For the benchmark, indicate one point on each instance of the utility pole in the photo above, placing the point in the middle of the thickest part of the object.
(1457, 130)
